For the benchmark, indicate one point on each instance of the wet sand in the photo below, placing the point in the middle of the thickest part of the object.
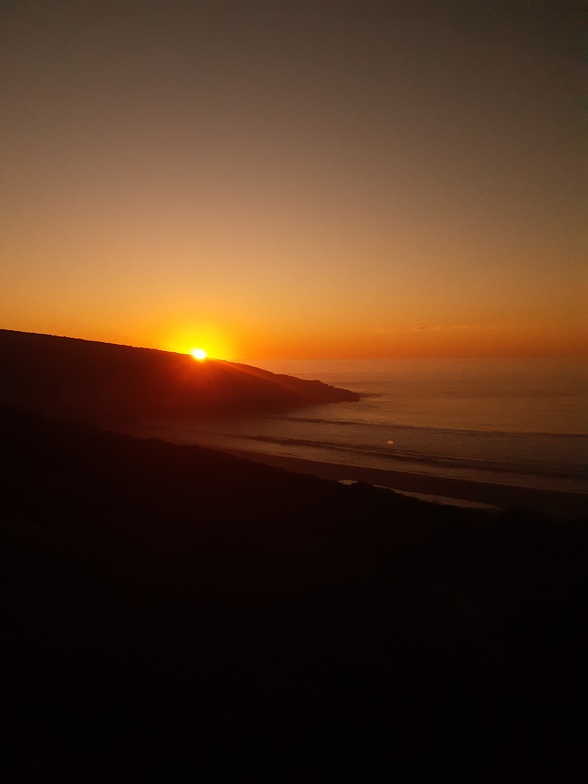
(551, 503)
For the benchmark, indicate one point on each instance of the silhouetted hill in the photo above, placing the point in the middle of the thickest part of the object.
(106, 382)
(170, 613)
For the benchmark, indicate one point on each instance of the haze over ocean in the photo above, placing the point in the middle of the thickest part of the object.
(513, 422)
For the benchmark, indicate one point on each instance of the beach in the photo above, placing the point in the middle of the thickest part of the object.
(550, 503)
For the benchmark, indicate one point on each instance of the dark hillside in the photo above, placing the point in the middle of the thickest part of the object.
(106, 382)
(174, 614)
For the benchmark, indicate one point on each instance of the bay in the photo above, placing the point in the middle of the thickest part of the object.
(515, 422)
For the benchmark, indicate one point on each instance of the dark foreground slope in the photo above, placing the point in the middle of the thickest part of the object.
(172, 614)
(106, 382)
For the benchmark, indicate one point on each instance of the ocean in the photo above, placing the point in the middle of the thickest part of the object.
(514, 422)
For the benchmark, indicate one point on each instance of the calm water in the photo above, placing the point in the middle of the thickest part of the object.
(521, 422)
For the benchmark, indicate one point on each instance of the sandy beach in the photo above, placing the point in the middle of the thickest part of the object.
(551, 503)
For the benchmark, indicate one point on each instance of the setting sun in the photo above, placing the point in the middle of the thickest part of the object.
(199, 353)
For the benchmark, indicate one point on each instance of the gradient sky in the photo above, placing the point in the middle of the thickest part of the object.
(344, 178)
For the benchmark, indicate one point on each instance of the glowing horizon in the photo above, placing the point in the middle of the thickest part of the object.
(522, 348)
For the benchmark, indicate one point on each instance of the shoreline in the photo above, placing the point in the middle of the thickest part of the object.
(552, 503)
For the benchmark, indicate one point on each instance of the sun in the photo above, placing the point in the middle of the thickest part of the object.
(199, 354)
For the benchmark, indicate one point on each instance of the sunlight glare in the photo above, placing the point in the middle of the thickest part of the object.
(199, 354)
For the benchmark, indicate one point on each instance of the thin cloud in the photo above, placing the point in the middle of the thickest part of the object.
(442, 328)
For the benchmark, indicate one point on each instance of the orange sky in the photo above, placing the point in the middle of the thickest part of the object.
(315, 179)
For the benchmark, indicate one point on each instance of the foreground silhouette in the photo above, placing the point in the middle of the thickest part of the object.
(174, 614)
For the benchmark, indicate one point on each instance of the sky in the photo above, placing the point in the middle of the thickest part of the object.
(300, 179)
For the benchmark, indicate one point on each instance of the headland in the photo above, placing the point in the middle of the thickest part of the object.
(114, 384)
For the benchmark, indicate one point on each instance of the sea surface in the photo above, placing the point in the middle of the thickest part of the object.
(515, 422)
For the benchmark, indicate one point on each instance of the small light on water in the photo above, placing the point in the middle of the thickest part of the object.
(390, 442)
